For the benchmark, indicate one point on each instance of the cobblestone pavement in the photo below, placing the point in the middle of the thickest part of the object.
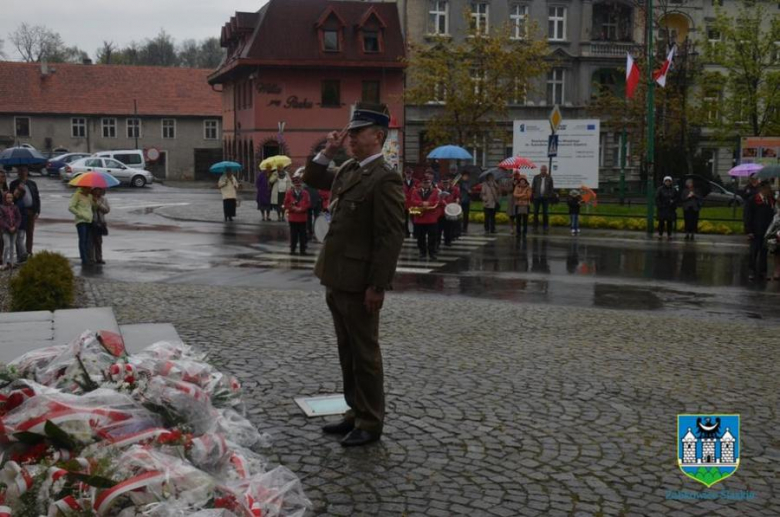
(493, 408)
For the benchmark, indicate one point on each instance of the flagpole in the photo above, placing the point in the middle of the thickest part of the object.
(650, 152)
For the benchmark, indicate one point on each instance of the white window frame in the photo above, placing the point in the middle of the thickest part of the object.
(517, 98)
(554, 18)
(29, 127)
(475, 150)
(128, 127)
(555, 82)
(78, 123)
(163, 127)
(478, 80)
(206, 128)
(108, 123)
(518, 14)
(714, 42)
(711, 105)
(477, 17)
(439, 10)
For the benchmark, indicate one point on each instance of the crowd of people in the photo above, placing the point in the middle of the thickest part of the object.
(761, 218)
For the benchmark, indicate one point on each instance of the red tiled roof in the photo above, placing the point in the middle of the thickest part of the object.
(286, 33)
(106, 90)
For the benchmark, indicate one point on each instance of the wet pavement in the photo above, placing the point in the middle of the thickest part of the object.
(176, 235)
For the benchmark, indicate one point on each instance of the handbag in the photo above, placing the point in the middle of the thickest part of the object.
(521, 209)
(100, 228)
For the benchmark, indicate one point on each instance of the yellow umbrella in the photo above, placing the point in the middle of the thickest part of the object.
(276, 162)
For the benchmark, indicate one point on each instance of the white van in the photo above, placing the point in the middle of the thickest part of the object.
(133, 158)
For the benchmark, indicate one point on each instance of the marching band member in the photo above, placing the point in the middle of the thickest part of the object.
(426, 199)
(325, 197)
(409, 185)
(452, 195)
(297, 203)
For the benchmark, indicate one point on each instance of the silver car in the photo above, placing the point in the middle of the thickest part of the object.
(126, 175)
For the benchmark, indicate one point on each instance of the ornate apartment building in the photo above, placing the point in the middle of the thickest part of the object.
(588, 41)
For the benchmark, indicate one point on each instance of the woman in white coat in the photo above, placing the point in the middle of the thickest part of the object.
(280, 187)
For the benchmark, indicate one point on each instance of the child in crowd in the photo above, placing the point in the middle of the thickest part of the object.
(574, 202)
(10, 219)
(296, 204)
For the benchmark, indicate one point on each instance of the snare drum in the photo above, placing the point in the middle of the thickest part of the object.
(321, 226)
(453, 211)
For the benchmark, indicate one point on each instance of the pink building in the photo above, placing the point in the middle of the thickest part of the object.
(295, 68)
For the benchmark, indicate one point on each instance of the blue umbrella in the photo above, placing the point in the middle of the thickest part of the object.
(449, 152)
(222, 167)
(21, 156)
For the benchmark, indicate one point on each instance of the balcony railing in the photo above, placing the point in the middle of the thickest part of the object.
(609, 48)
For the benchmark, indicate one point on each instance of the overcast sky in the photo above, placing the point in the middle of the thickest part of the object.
(87, 23)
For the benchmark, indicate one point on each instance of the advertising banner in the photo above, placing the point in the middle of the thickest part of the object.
(577, 160)
(761, 149)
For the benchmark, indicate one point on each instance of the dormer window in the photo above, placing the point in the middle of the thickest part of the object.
(331, 31)
(371, 29)
(371, 41)
(330, 40)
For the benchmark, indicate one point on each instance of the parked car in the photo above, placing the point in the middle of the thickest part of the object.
(56, 163)
(720, 196)
(133, 158)
(126, 175)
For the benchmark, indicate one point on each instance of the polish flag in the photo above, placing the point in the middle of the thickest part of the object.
(659, 75)
(632, 76)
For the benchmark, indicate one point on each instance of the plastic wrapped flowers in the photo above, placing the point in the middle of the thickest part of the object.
(87, 429)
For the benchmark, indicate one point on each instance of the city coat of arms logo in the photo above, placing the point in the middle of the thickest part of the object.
(708, 446)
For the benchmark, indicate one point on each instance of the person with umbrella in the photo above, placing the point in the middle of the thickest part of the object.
(26, 190)
(691, 204)
(281, 185)
(263, 196)
(229, 186)
(81, 208)
(759, 213)
(522, 195)
(98, 230)
(666, 203)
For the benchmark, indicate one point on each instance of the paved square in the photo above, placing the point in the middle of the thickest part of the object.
(494, 408)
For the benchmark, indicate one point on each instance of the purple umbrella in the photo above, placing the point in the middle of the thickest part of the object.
(746, 169)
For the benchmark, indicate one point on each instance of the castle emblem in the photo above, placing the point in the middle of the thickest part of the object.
(708, 446)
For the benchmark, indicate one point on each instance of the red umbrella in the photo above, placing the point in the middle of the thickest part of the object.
(517, 162)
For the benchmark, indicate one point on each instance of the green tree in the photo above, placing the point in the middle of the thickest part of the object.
(473, 82)
(159, 51)
(211, 53)
(742, 96)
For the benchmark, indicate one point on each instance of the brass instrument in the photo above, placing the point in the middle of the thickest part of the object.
(418, 210)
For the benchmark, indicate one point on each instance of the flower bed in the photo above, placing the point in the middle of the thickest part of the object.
(87, 429)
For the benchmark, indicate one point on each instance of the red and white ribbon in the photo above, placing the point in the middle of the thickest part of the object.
(107, 497)
(65, 506)
(239, 463)
(5, 511)
(129, 439)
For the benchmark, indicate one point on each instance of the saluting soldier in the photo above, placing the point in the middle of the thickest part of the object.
(358, 261)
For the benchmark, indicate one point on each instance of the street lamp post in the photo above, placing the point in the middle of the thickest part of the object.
(650, 154)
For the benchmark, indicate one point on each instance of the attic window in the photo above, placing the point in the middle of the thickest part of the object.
(371, 41)
(330, 40)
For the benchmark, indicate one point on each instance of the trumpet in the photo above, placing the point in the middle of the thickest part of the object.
(418, 210)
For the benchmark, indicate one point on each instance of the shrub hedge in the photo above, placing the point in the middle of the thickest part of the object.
(44, 283)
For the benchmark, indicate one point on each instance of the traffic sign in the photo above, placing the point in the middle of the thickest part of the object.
(555, 118)
(552, 146)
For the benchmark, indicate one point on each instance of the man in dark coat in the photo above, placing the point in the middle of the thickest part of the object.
(759, 212)
(358, 260)
(542, 193)
(666, 205)
(26, 190)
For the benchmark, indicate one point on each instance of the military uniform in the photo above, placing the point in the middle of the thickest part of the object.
(360, 251)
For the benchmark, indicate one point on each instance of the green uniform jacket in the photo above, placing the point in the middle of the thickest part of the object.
(367, 225)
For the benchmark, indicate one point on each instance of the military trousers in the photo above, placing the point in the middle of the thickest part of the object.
(357, 334)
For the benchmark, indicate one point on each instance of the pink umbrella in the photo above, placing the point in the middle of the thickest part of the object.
(746, 169)
(517, 162)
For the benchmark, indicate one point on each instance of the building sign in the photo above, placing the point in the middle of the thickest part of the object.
(292, 102)
(577, 160)
(271, 88)
(761, 149)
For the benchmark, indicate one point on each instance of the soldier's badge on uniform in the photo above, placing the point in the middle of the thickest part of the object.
(708, 446)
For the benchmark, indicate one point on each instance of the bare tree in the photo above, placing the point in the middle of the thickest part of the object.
(106, 53)
(2, 54)
(160, 51)
(36, 43)
(189, 54)
(211, 53)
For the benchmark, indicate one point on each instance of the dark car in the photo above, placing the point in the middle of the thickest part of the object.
(54, 164)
